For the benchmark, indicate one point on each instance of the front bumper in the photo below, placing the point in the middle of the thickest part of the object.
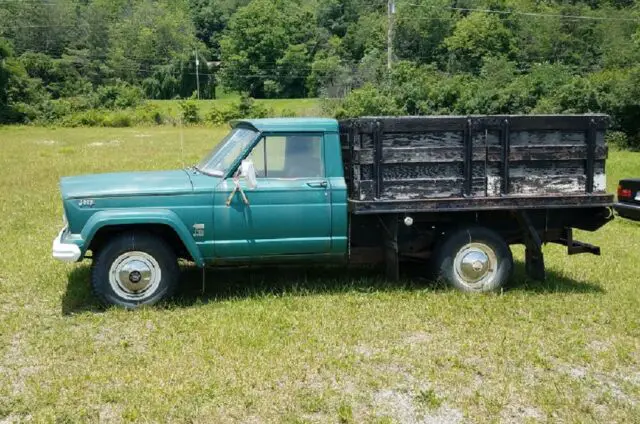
(628, 210)
(66, 252)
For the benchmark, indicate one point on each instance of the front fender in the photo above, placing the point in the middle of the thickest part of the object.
(106, 218)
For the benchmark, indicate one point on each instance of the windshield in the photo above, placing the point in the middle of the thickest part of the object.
(220, 159)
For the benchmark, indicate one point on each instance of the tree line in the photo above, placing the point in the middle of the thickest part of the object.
(449, 56)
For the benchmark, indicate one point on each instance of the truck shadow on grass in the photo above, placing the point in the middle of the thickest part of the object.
(224, 284)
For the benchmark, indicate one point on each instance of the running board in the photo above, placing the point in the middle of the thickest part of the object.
(575, 247)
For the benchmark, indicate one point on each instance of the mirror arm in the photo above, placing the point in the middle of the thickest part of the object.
(237, 188)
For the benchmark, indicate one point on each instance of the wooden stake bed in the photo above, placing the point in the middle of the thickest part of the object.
(433, 163)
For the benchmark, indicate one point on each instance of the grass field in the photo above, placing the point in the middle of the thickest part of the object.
(301, 107)
(326, 346)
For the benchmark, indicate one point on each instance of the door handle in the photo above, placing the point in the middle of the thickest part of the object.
(317, 184)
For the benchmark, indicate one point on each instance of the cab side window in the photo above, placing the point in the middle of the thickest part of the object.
(288, 156)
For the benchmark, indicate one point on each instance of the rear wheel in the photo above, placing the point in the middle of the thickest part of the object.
(474, 259)
(134, 269)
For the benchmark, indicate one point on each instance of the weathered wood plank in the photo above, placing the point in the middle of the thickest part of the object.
(415, 188)
(548, 137)
(397, 171)
(489, 137)
(536, 137)
(448, 154)
(417, 123)
(548, 168)
(558, 184)
(404, 171)
(427, 139)
(542, 122)
(553, 152)
(600, 181)
(364, 140)
(517, 122)
(452, 187)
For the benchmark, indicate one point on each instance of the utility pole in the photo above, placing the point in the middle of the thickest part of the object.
(391, 10)
(197, 73)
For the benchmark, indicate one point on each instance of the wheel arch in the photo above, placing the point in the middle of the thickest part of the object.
(164, 223)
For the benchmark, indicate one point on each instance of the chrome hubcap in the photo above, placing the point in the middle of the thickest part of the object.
(134, 275)
(475, 264)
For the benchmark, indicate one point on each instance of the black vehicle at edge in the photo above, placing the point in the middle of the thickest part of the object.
(628, 204)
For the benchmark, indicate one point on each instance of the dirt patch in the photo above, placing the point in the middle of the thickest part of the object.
(365, 351)
(402, 407)
(514, 413)
(12, 418)
(18, 368)
(604, 383)
(598, 346)
(444, 415)
(110, 413)
(395, 404)
(417, 338)
(105, 143)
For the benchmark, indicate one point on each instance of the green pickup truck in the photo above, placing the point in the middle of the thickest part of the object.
(451, 193)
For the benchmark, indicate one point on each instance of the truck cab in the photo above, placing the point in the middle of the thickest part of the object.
(293, 208)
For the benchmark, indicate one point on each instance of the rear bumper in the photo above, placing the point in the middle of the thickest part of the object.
(627, 210)
(66, 252)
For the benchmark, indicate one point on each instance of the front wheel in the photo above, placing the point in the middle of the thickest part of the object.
(474, 259)
(134, 269)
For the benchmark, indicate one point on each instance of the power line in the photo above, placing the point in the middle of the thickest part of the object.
(90, 56)
(37, 3)
(532, 14)
(38, 26)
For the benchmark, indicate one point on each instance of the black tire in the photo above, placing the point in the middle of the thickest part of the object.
(462, 256)
(141, 252)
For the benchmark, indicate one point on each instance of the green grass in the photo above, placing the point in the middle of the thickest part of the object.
(299, 346)
(301, 107)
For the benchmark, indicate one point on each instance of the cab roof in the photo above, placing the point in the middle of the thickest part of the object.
(290, 124)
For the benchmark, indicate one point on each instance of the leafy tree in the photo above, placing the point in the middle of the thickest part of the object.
(368, 100)
(329, 76)
(210, 18)
(153, 34)
(368, 33)
(18, 92)
(476, 36)
(618, 92)
(5, 73)
(336, 16)
(580, 42)
(266, 49)
(60, 77)
(47, 27)
(420, 30)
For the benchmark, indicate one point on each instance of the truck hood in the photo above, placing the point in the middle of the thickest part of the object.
(125, 184)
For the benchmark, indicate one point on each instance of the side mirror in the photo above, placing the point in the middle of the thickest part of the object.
(248, 172)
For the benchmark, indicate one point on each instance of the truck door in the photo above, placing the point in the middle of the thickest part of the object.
(289, 212)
